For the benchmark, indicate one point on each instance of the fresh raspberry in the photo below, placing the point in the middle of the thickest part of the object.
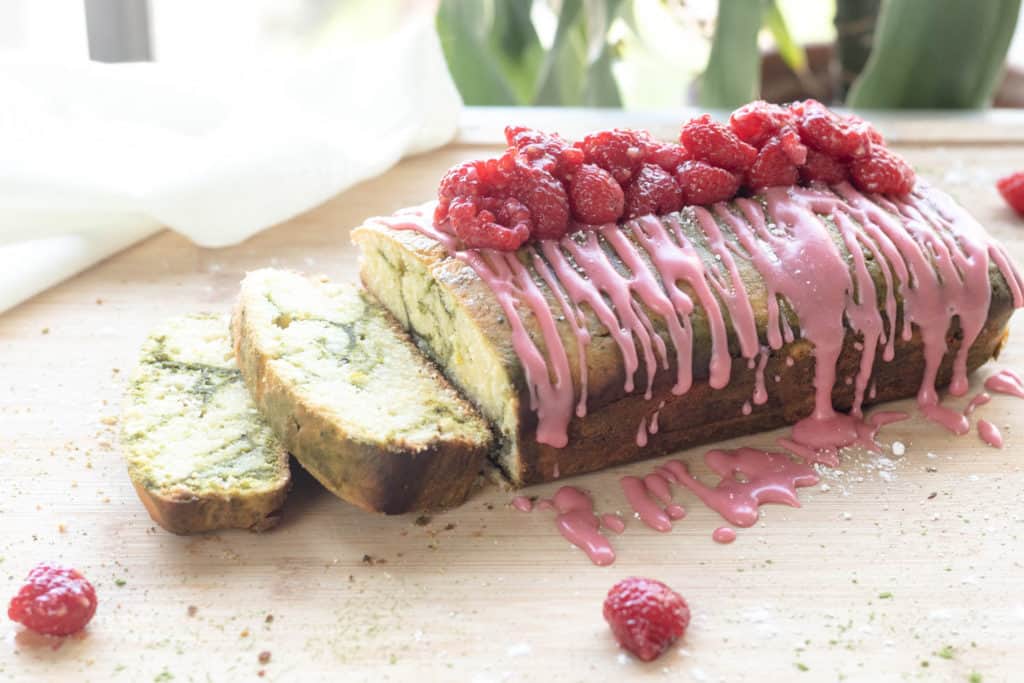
(594, 196)
(646, 616)
(549, 152)
(883, 172)
(55, 600)
(618, 151)
(1012, 189)
(703, 183)
(827, 132)
(822, 168)
(503, 225)
(795, 150)
(652, 191)
(773, 166)
(757, 122)
(869, 130)
(710, 141)
(541, 193)
(668, 155)
(541, 209)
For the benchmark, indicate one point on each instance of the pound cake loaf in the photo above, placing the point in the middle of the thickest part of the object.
(628, 340)
(198, 453)
(352, 398)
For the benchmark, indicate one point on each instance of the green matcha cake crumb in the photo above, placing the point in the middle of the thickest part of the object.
(198, 452)
(352, 398)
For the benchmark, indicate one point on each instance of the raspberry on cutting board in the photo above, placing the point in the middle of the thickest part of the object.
(55, 600)
(646, 616)
(1012, 189)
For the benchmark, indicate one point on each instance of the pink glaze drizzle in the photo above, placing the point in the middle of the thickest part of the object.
(522, 503)
(1006, 382)
(926, 248)
(724, 534)
(990, 434)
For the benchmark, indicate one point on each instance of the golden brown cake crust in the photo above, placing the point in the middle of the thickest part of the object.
(184, 512)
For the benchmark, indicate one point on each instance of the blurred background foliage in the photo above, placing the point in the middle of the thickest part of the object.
(656, 53)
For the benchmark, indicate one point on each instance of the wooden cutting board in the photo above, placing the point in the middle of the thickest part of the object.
(896, 568)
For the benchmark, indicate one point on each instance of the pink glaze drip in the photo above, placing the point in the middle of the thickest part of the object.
(641, 433)
(724, 534)
(613, 522)
(579, 525)
(645, 508)
(926, 248)
(990, 434)
(1006, 382)
(675, 512)
(577, 321)
(979, 400)
(747, 408)
(522, 503)
(653, 426)
(798, 260)
(760, 392)
(749, 478)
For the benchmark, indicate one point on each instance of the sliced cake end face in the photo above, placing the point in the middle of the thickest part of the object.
(351, 396)
(345, 359)
(404, 272)
(197, 449)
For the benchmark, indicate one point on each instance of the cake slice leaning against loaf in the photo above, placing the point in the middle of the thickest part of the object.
(198, 453)
(351, 396)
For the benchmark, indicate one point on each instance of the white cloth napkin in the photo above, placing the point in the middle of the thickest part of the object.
(94, 157)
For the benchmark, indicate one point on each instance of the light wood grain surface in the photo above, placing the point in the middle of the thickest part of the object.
(485, 593)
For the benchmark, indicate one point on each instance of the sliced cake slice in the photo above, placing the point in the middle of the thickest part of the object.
(351, 396)
(198, 452)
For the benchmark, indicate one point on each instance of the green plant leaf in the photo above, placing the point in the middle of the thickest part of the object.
(733, 73)
(561, 76)
(936, 54)
(464, 29)
(600, 88)
(516, 46)
(792, 52)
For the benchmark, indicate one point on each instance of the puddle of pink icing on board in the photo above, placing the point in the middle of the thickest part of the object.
(649, 512)
(522, 503)
(675, 512)
(613, 522)
(1006, 382)
(579, 525)
(926, 247)
(724, 534)
(749, 479)
(979, 400)
(990, 434)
